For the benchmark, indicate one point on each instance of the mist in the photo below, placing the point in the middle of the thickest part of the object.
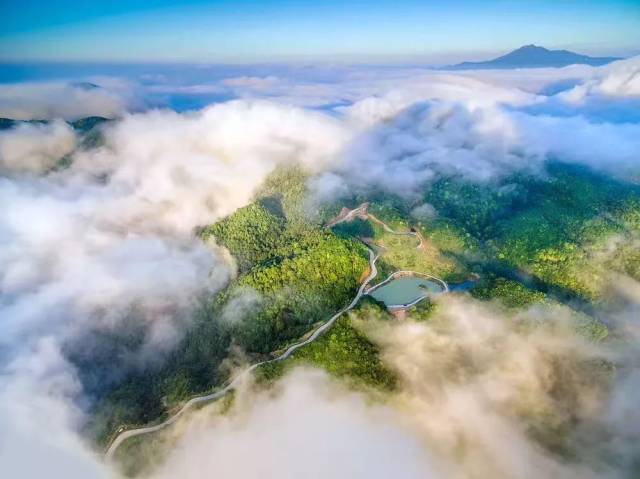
(485, 131)
(105, 97)
(310, 427)
(35, 148)
(107, 245)
(483, 393)
(101, 239)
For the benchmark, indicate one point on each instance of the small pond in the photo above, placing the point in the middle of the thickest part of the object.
(406, 290)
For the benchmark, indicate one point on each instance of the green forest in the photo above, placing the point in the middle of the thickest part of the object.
(294, 272)
(527, 239)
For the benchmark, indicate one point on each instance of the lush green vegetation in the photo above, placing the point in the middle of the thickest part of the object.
(318, 276)
(402, 253)
(423, 311)
(251, 234)
(284, 191)
(516, 296)
(511, 293)
(447, 237)
(553, 228)
(533, 240)
(356, 229)
(344, 352)
(475, 207)
(293, 274)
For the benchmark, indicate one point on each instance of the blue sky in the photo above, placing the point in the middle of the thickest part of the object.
(281, 30)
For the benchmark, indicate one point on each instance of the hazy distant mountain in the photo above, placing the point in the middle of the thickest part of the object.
(532, 56)
(82, 125)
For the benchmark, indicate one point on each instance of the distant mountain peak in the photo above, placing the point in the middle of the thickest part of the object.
(531, 47)
(534, 56)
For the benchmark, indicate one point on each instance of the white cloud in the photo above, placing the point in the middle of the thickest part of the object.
(480, 395)
(35, 148)
(424, 211)
(37, 419)
(620, 79)
(105, 233)
(43, 101)
(108, 242)
(311, 428)
(572, 139)
(495, 383)
(481, 130)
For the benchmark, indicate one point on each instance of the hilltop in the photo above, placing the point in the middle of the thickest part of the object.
(533, 56)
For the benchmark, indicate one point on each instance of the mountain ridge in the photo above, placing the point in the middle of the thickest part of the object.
(534, 56)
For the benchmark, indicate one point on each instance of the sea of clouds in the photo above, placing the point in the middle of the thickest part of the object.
(107, 243)
(478, 396)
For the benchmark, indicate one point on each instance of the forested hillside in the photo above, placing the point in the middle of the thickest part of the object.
(529, 239)
(292, 274)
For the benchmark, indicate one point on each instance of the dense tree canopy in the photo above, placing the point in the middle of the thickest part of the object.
(533, 240)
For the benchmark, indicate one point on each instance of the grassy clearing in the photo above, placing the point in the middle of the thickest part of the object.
(402, 253)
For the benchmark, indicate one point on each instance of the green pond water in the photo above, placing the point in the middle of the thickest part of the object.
(405, 290)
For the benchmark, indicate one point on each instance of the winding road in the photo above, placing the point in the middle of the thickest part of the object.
(373, 257)
(399, 233)
(124, 435)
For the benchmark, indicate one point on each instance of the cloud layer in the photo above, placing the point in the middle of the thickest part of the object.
(484, 131)
(309, 428)
(105, 242)
(481, 395)
(35, 148)
(67, 100)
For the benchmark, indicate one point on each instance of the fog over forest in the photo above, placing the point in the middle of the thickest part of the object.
(123, 235)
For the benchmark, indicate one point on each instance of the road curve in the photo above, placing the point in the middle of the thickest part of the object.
(123, 436)
(373, 256)
(388, 229)
(363, 210)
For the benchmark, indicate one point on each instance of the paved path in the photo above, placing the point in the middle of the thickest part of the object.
(123, 436)
(348, 216)
(398, 233)
(363, 212)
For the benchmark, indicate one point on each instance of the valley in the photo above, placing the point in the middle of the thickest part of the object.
(392, 242)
